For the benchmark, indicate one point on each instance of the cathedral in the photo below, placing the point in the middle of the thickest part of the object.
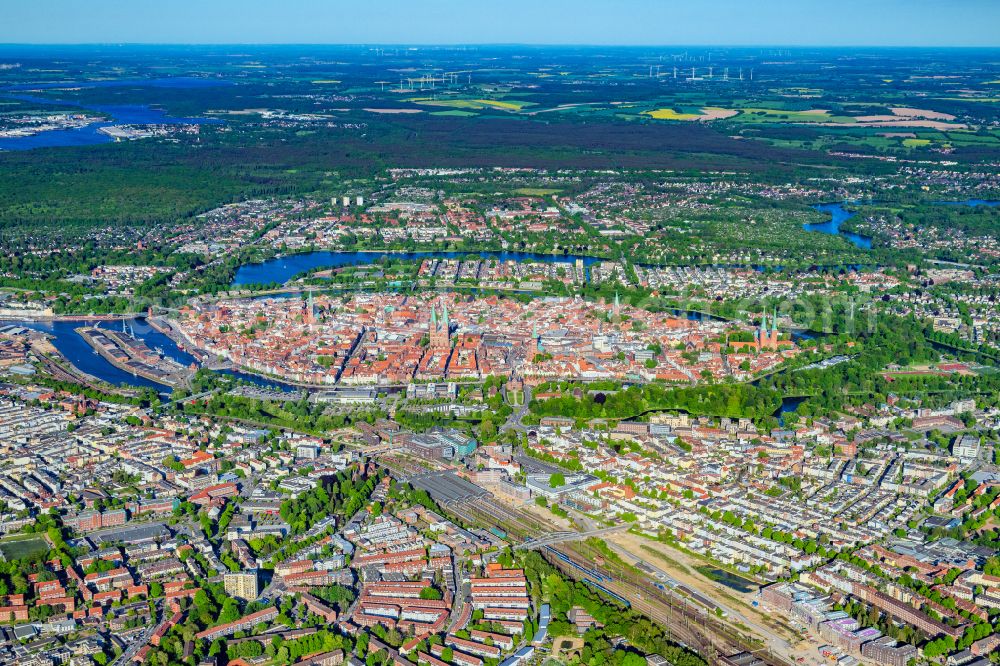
(767, 339)
(440, 332)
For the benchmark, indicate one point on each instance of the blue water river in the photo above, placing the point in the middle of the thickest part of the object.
(838, 215)
(82, 355)
(969, 202)
(120, 114)
(282, 269)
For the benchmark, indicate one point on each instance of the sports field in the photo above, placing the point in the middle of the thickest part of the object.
(22, 545)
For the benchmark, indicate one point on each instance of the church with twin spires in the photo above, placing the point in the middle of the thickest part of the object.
(440, 332)
(767, 339)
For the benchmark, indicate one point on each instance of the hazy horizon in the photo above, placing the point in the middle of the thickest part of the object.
(472, 45)
(733, 23)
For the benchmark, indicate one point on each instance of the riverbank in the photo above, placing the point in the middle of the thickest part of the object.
(130, 354)
(62, 369)
(28, 316)
(281, 269)
(78, 354)
(838, 216)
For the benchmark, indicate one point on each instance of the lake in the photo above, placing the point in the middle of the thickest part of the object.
(838, 215)
(788, 404)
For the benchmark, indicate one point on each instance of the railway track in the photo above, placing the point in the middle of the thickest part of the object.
(687, 621)
(516, 524)
(679, 625)
(691, 622)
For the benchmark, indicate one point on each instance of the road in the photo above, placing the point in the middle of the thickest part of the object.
(515, 421)
(776, 643)
(629, 555)
(683, 621)
(141, 640)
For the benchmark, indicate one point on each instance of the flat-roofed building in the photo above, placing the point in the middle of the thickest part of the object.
(242, 585)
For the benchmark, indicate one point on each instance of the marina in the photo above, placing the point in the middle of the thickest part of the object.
(82, 362)
(130, 354)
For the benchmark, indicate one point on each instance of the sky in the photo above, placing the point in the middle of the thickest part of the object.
(598, 22)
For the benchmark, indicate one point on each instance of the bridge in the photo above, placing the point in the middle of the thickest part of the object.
(190, 398)
(560, 537)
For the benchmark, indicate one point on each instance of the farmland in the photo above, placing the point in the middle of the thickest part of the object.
(355, 114)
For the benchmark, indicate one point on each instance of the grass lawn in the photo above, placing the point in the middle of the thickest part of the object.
(455, 113)
(26, 545)
(536, 192)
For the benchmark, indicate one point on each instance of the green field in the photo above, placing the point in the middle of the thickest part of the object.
(21, 546)
(455, 113)
(536, 191)
(672, 114)
(766, 115)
